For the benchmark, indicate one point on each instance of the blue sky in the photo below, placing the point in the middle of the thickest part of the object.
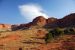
(21, 11)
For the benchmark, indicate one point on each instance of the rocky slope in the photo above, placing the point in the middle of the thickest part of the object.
(38, 21)
(33, 39)
(67, 21)
(24, 39)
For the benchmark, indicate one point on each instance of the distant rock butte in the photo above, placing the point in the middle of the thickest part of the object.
(67, 21)
(5, 26)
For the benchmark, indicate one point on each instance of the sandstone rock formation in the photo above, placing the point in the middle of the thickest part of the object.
(40, 20)
(67, 21)
(51, 20)
(4, 27)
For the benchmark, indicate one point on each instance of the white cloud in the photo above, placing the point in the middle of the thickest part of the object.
(30, 11)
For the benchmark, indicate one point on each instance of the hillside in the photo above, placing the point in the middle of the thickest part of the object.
(40, 34)
(25, 39)
(66, 21)
(33, 39)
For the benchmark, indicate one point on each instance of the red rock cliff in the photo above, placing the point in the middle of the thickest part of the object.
(40, 20)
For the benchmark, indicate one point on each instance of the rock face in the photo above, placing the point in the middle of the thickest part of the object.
(21, 26)
(51, 20)
(14, 27)
(41, 21)
(4, 27)
(67, 21)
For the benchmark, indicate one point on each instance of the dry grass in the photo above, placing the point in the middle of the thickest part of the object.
(25, 39)
(31, 40)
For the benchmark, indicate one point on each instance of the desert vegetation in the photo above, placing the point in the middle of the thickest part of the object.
(58, 32)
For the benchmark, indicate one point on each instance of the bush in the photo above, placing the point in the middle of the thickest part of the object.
(56, 32)
(69, 31)
(48, 37)
(53, 34)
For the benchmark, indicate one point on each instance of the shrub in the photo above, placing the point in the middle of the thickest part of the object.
(48, 37)
(69, 31)
(66, 31)
(56, 32)
(53, 34)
